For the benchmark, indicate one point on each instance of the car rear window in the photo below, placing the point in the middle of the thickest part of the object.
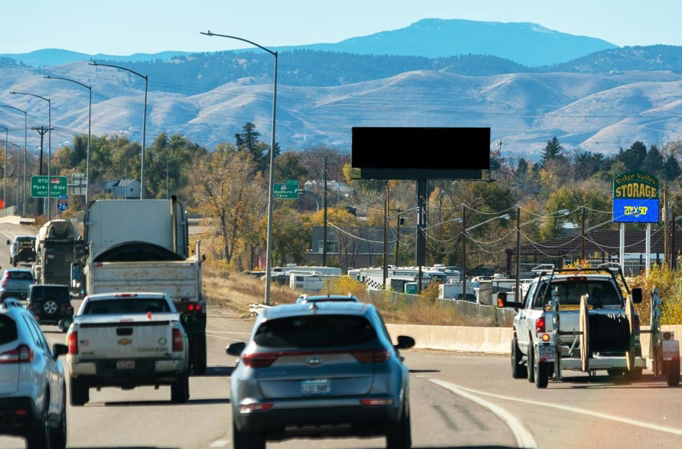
(20, 275)
(126, 306)
(315, 331)
(59, 294)
(8, 329)
(601, 293)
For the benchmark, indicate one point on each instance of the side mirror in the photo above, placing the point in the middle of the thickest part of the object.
(236, 349)
(405, 342)
(637, 295)
(8, 242)
(59, 349)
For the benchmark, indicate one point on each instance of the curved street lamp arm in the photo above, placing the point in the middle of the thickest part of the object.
(33, 95)
(274, 53)
(5, 128)
(67, 79)
(12, 107)
(96, 64)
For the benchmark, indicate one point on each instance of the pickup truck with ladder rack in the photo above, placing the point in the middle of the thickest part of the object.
(578, 319)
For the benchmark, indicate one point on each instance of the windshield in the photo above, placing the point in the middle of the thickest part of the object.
(19, 275)
(314, 331)
(126, 306)
(600, 293)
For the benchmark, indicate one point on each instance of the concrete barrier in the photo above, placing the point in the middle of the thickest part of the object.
(489, 340)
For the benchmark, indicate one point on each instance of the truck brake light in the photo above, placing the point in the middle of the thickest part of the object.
(635, 324)
(178, 343)
(540, 325)
(73, 343)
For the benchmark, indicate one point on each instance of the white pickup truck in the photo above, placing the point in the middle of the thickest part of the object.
(127, 340)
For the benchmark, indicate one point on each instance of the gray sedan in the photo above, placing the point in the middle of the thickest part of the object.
(320, 370)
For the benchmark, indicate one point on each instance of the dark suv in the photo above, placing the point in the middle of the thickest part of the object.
(50, 303)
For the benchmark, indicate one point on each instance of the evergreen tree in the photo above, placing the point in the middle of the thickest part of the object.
(553, 150)
(633, 157)
(653, 162)
(671, 168)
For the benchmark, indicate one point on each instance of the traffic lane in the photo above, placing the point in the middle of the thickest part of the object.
(439, 419)
(615, 414)
(7, 232)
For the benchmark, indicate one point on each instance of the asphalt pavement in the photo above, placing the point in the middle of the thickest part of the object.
(457, 401)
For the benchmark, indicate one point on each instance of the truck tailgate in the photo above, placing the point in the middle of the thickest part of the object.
(125, 337)
(178, 279)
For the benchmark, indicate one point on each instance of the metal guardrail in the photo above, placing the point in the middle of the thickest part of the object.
(7, 211)
(496, 316)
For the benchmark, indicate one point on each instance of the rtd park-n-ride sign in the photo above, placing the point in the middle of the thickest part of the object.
(635, 198)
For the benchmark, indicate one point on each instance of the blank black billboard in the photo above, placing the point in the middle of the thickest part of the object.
(413, 153)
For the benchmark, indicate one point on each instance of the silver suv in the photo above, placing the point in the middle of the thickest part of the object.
(32, 388)
(325, 369)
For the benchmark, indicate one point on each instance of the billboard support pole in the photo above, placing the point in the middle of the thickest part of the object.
(648, 248)
(621, 255)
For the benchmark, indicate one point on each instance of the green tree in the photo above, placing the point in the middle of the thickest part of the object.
(288, 166)
(633, 157)
(553, 150)
(671, 168)
(653, 162)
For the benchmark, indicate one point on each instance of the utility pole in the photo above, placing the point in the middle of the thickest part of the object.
(42, 131)
(421, 237)
(518, 254)
(464, 252)
(324, 225)
(386, 201)
(666, 242)
(582, 233)
(397, 237)
(673, 256)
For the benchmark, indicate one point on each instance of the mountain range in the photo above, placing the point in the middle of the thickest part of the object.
(599, 101)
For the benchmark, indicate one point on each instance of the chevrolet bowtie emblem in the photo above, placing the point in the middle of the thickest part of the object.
(125, 341)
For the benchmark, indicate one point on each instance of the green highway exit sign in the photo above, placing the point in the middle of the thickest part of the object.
(286, 191)
(39, 186)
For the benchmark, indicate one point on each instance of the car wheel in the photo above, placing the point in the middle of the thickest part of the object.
(529, 365)
(50, 307)
(672, 372)
(246, 440)
(60, 432)
(40, 437)
(80, 393)
(199, 354)
(399, 435)
(519, 371)
(541, 373)
(180, 389)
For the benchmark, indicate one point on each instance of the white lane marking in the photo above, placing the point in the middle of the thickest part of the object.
(228, 332)
(222, 338)
(6, 235)
(581, 411)
(220, 443)
(522, 435)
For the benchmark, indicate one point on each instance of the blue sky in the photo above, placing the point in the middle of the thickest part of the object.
(147, 26)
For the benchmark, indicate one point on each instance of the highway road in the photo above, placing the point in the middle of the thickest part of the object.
(457, 401)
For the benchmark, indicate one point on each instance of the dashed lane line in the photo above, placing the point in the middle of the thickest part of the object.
(524, 438)
(628, 421)
(220, 443)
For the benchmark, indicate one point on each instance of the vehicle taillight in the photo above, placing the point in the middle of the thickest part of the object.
(371, 355)
(259, 360)
(540, 325)
(178, 343)
(22, 354)
(73, 343)
(255, 407)
(377, 402)
(193, 307)
(4, 280)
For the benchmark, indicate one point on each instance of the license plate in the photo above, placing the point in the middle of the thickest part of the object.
(311, 387)
(125, 364)
(546, 353)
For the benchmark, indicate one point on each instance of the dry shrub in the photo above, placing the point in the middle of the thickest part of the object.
(39, 220)
(669, 284)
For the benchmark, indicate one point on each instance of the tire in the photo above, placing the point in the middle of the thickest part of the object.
(541, 374)
(50, 307)
(246, 440)
(531, 362)
(198, 353)
(40, 436)
(60, 432)
(519, 371)
(399, 435)
(180, 389)
(673, 373)
(79, 392)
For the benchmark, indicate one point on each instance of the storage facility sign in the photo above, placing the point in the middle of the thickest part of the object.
(635, 198)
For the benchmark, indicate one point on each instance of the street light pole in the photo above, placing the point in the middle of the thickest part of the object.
(268, 251)
(87, 157)
(23, 201)
(4, 182)
(144, 118)
(49, 145)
